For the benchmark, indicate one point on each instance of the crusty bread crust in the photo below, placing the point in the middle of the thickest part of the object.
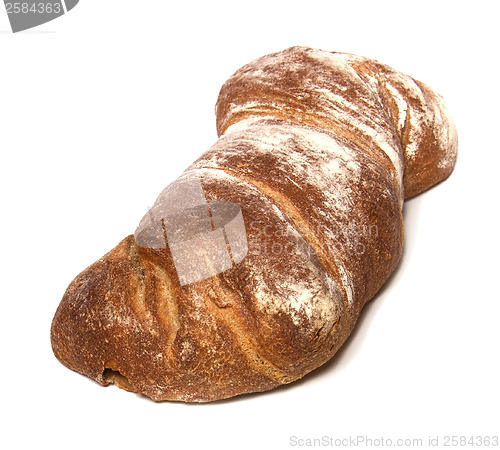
(319, 150)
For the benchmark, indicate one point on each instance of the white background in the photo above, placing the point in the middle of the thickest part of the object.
(102, 108)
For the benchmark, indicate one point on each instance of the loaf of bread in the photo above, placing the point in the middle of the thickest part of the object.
(251, 269)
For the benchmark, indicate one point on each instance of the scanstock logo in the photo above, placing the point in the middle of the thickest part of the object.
(28, 14)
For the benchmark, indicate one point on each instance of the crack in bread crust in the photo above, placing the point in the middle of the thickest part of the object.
(167, 306)
(137, 300)
(247, 345)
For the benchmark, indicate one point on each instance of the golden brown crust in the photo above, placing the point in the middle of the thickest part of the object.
(318, 149)
(355, 97)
